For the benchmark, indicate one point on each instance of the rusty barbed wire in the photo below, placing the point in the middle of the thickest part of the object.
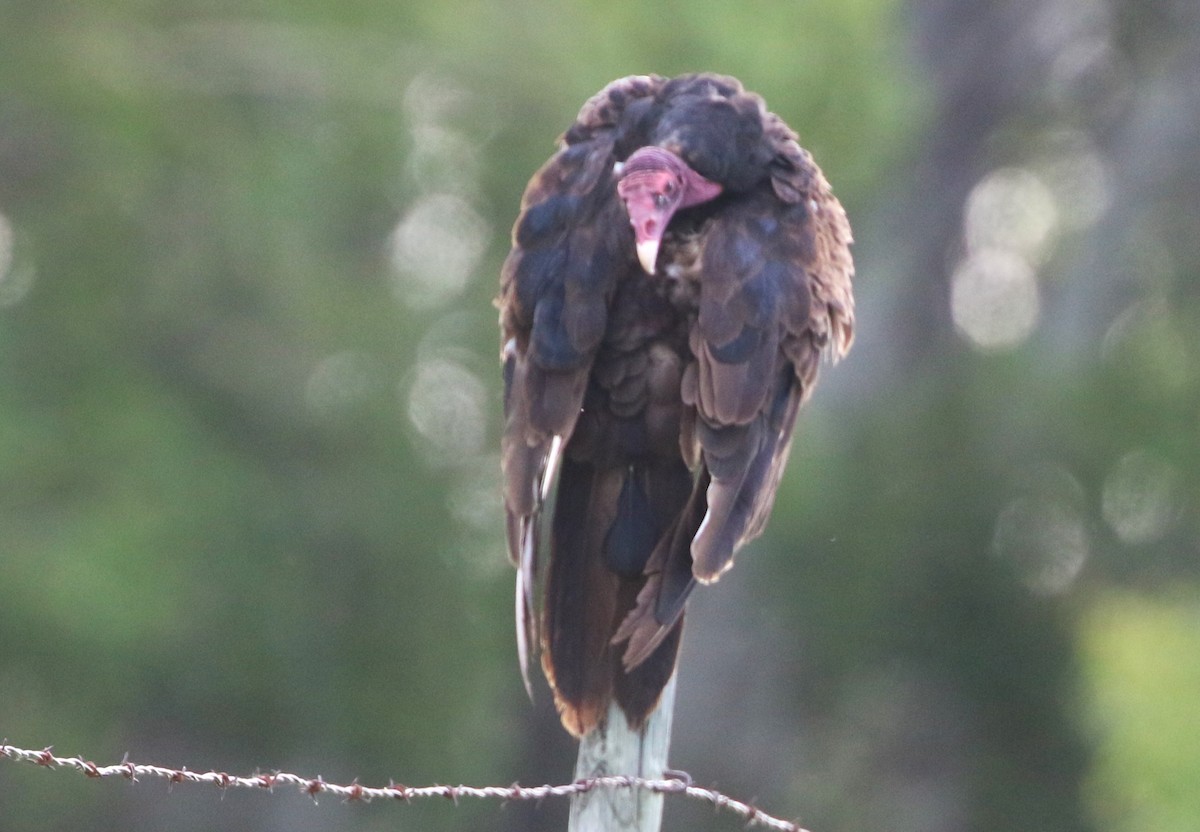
(316, 786)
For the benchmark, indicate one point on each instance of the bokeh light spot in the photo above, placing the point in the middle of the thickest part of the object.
(994, 299)
(1078, 176)
(16, 277)
(1011, 209)
(446, 405)
(6, 246)
(1041, 533)
(432, 98)
(1140, 497)
(1149, 347)
(1009, 222)
(445, 160)
(435, 249)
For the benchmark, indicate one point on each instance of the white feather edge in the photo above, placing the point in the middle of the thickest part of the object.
(524, 615)
(550, 469)
(526, 568)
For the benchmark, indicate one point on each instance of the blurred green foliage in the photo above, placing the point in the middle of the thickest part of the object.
(248, 501)
(1142, 663)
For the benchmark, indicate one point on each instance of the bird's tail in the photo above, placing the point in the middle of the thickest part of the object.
(607, 524)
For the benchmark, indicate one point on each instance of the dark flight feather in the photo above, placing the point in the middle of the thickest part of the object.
(669, 398)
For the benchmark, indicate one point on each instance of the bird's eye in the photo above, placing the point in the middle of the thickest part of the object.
(661, 201)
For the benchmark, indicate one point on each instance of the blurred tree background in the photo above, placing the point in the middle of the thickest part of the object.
(249, 507)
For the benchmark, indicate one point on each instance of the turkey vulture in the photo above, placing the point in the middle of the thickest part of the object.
(678, 269)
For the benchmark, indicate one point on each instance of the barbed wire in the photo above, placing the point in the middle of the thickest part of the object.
(314, 787)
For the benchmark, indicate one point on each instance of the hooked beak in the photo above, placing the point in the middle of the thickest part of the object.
(647, 254)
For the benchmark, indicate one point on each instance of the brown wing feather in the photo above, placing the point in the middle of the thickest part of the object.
(550, 331)
(779, 269)
(571, 243)
(775, 296)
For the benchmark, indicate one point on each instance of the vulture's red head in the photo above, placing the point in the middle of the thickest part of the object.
(654, 183)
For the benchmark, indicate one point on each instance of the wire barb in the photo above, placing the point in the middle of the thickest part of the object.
(679, 782)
